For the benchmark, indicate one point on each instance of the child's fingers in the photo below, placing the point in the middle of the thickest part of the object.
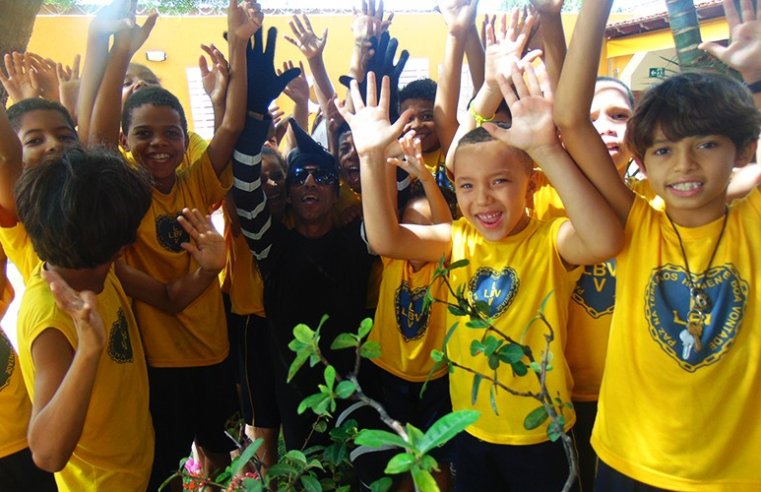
(356, 96)
(534, 88)
(299, 24)
(203, 65)
(75, 65)
(372, 90)
(518, 81)
(307, 23)
(507, 90)
(748, 14)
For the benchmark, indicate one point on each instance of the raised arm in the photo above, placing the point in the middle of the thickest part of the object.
(214, 79)
(588, 238)
(460, 17)
(413, 163)
(64, 378)
(373, 133)
(553, 37)
(574, 101)
(209, 252)
(503, 47)
(10, 170)
(18, 80)
(68, 85)
(312, 47)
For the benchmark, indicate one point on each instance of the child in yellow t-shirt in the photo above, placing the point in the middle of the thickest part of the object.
(406, 333)
(682, 358)
(81, 352)
(513, 260)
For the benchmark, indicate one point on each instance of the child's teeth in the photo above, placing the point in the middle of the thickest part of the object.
(685, 186)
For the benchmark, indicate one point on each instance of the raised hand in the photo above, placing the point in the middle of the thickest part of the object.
(305, 39)
(134, 36)
(486, 23)
(18, 81)
(371, 128)
(547, 6)
(244, 19)
(505, 46)
(68, 84)
(368, 22)
(744, 52)
(81, 306)
(532, 129)
(459, 15)
(264, 84)
(42, 72)
(115, 17)
(413, 161)
(298, 88)
(214, 79)
(209, 251)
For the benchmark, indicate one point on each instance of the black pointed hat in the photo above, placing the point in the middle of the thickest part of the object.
(308, 152)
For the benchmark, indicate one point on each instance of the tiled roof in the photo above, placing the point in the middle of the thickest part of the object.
(707, 9)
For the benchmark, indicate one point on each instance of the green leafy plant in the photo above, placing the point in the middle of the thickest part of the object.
(502, 350)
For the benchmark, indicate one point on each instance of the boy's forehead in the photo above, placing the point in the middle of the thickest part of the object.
(488, 156)
(43, 119)
(151, 115)
(417, 103)
(141, 72)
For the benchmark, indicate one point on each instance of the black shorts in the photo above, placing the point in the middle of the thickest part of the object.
(403, 403)
(586, 412)
(482, 466)
(189, 404)
(257, 377)
(610, 479)
(18, 473)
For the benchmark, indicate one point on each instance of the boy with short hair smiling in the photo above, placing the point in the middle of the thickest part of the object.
(677, 403)
(493, 182)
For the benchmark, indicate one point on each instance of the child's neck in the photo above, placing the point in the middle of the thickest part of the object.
(91, 279)
(165, 186)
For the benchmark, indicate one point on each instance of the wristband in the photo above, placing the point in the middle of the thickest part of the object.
(755, 87)
(480, 120)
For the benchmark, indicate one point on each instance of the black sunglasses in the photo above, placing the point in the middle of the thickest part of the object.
(298, 176)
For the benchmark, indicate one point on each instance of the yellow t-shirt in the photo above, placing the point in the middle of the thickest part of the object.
(240, 278)
(15, 406)
(406, 333)
(19, 249)
(514, 276)
(115, 451)
(670, 416)
(347, 198)
(433, 159)
(197, 336)
(592, 302)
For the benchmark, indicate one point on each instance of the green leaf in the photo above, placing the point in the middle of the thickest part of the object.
(370, 350)
(493, 362)
(322, 322)
(429, 463)
(303, 333)
(314, 359)
(382, 484)
(450, 333)
(476, 384)
(315, 463)
(415, 435)
(345, 389)
(252, 485)
(483, 308)
(457, 311)
(310, 483)
(364, 327)
(400, 463)
(544, 302)
(423, 479)
(281, 469)
(554, 432)
(321, 408)
(511, 353)
(428, 299)
(458, 264)
(223, 477)
(296, 456)
(301, 357)
(520, 368)
(493, 399)
(536, 418)
(491, 344)
(320, 426)
(377, 438)
(330, 377)
(246, 456)
(310, 402)
(477, 324)
(344, 340)
(437, 355)
(476, 348)
(536, 367)
(446, 428)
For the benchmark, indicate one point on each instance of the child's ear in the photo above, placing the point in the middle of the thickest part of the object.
(532, 186)
(187, 141)
(123, 141)
(746, 155)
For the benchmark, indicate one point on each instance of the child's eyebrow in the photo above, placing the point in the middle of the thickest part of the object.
(33, 130)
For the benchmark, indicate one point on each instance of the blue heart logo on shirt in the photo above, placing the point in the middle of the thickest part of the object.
(496, 288)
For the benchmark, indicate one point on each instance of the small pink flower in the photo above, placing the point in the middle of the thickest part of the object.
(193, 466)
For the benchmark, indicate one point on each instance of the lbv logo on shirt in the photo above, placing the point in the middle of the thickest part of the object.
(7, 361)
(410, 317)
(170, 233)
(119, 343)
(670, 310)
(596, 289)
(496, 288)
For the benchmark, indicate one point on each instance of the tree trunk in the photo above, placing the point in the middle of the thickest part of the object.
(16, 23)
(685, 28)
